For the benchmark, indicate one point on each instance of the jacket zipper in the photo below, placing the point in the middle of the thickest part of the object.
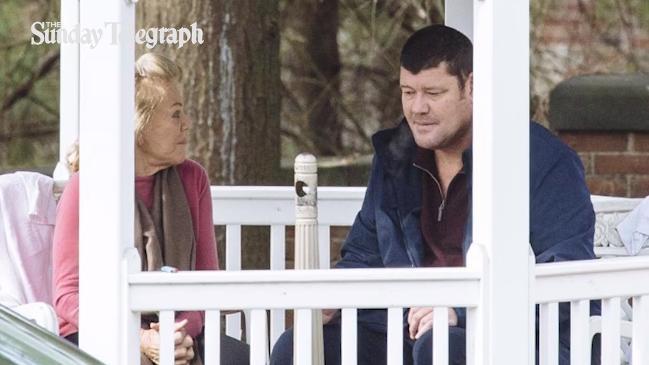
(440, 209)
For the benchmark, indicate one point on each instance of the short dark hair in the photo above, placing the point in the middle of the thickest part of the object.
(430, 46)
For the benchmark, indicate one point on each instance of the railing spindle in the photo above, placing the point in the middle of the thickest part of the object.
(640, 341)
(258, 339)
(303, 335)
(233, 263)
(212, 337)
(324, 243)
(549, 333)
(348, 339)
(579, 332)
(440, 336)
(611, 330)
(277, 262)
(395, 336)
(167, 345)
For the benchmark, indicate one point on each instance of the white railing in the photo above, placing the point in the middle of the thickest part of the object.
(261, 292)
(578, 282)
(274, 206)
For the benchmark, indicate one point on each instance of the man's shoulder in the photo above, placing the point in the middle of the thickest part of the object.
(547, 154)
(545, 147)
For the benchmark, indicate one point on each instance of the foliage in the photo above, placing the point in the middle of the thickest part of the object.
(28, 102)
(596, 37)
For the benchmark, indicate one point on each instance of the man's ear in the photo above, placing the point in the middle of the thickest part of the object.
(468, 85)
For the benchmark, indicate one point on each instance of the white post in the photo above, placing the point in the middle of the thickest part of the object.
(501, 175)
(69, 89)
(107, 177)
(306, 248)
(458, 14)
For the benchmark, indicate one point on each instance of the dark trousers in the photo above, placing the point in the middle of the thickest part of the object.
(372, 347)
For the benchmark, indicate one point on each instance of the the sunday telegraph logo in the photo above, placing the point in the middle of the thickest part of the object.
(52, 33)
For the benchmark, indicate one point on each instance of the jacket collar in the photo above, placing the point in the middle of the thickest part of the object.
(396, 150)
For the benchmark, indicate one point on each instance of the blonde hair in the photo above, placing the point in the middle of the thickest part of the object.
(152, 71)
(72, 157)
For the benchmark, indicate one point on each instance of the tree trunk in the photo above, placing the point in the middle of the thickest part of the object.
(232, 92)
(316, 70)
(231, 84)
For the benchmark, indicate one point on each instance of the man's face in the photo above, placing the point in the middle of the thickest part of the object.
(439, 113)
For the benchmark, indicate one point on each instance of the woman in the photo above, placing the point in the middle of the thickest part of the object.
(173, 213)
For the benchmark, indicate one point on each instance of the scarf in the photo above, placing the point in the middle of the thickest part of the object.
(164, 236)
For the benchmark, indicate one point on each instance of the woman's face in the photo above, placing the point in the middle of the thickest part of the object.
(164, 140)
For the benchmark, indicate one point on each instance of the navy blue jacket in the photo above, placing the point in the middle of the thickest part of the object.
(386, 232)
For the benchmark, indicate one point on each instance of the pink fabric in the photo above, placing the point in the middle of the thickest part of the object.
(66, 242)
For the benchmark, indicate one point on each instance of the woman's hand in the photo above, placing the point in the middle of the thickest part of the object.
(150, 343)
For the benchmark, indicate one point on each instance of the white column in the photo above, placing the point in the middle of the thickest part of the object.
(107, 177)
(69, 89)
(459, 15)
(308, 324)
(501, 175)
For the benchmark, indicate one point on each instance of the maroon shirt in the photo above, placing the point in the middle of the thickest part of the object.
(442, 219)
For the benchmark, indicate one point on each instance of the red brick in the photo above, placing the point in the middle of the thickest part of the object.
(641, 142)
(595, 141)
(622, 164)
(607, 185)
(639, 186)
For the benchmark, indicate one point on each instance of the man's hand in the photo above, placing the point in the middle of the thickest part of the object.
(420, 320)
(150, 343)
(328, 315)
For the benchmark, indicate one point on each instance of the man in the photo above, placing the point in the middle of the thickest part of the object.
(416, 211)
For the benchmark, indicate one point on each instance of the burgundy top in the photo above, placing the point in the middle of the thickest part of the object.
(442, 219)
(65, 251)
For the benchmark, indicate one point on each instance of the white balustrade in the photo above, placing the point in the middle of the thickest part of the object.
(579, 282)
(257, 292)
(261, 290)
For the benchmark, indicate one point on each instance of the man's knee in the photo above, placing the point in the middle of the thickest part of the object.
(422, 350)
(282, 353)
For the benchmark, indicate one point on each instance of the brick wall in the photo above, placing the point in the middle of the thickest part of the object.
(616, 163)
(572, 38)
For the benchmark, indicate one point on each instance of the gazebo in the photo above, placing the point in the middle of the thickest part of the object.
(500, 285)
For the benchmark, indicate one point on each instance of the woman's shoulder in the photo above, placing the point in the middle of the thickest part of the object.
(190, 170)
(72, 185)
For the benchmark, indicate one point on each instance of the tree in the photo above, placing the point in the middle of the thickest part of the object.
(231, 84)
(315, 71)
(29, 105)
